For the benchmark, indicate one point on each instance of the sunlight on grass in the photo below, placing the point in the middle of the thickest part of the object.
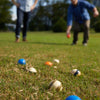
(16, 83)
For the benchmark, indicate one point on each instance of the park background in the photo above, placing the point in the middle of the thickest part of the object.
(49, 15)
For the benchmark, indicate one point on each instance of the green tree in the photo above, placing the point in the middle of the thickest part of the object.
(5, 13)
(96, 22)
(59, 10)
(40, 20)
(49, 14)
(60, 26)
(36, 22)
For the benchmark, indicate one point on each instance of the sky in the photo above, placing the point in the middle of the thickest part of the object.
(13, 13)
(13, 9)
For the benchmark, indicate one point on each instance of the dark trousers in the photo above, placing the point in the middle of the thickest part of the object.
(81, 27)
(23, 19)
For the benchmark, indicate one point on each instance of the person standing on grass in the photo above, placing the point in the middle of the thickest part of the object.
(78, 14)
(24, 8)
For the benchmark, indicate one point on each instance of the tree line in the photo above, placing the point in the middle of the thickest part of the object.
(44, 18)
(5, 14)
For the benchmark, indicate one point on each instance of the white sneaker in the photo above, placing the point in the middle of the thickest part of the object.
(84, 44)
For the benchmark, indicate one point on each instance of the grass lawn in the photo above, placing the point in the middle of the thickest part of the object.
(18, 84)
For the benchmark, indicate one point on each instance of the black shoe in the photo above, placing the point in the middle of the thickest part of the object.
(73, 43)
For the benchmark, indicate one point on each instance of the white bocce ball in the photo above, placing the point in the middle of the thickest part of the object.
(76, 72)
(56, 85)
(32, 70)
(56, 61)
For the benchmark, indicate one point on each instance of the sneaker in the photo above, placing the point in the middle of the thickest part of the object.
(17, 39)
(73, 43)
(84, 44)
(24, 39)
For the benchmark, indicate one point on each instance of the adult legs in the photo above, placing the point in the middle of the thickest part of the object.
(26, 24)
(18, 23)
(76, 29)
(86, 26)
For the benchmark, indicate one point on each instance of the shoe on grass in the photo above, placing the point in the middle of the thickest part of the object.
(73, 43)
(17, 39)
(84, 44)
(24, 39)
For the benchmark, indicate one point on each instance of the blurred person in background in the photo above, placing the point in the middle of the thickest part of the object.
(24, 8)
(79, 16)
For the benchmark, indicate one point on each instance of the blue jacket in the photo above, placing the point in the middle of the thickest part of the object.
(79, 12)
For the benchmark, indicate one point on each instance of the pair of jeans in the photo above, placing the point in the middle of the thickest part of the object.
(77, 27)
(23, 19)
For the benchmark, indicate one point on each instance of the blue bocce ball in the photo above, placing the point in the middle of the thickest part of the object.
(22, 61)
(73, 97)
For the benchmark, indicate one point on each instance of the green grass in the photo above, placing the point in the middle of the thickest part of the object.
(18, 84)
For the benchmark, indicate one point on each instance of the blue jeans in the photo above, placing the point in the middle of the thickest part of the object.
(23, 18)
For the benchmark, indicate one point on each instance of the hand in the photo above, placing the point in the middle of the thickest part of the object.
(95, 14)
(68, 34)
(17, 4)
(32, 7)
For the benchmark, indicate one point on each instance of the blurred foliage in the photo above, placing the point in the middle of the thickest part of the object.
(97, 27)
(59, 10)
(60, 26)
(41, 21)
(47, 16)
(95, 22)
(5, 13)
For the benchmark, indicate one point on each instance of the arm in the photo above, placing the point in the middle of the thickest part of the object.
(95, 12)
(15, 3)
(69, 20)
(68, 29)
(91, 7)
(33, 6)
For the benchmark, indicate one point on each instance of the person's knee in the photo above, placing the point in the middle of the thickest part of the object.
(87, 25)
(86, 28)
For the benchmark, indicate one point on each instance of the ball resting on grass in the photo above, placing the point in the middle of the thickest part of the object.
(32, 70)
(22, 61)
(55, 67)
(48, 63)
(76, 72)
(73, 97)
(56, 61)
(55, 85)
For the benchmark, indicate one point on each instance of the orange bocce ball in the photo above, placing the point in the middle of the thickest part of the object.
(48, 63)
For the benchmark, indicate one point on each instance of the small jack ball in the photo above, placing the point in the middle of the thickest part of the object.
(68, 35)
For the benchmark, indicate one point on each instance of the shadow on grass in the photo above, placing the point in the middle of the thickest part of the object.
(50, 43)
(45, 43)
(29, 42)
